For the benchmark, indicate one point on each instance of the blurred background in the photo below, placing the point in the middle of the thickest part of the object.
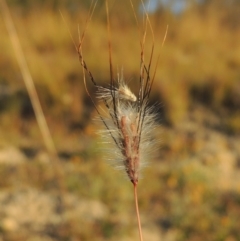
(191, 189)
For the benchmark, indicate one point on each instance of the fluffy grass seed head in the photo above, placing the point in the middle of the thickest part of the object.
(129, 123)
(129, 133)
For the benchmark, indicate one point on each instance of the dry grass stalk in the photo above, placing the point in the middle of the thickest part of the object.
(129, 121)
(32, 92)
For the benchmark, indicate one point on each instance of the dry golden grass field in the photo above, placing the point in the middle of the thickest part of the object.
(190, 191)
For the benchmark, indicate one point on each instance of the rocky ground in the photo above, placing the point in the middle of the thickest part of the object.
(196, 161)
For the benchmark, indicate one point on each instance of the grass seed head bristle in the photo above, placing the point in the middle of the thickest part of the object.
(132, 143)
(120, 92)
(125, 93)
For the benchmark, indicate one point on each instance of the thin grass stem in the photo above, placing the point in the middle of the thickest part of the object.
(137, 212)
(32, 92)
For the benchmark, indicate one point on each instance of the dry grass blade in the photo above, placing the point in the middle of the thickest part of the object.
(47, 138)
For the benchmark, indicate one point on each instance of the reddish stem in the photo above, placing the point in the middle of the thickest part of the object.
(137, 211)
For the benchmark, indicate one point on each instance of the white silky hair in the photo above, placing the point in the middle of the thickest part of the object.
(119, 92)
(138, 129)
